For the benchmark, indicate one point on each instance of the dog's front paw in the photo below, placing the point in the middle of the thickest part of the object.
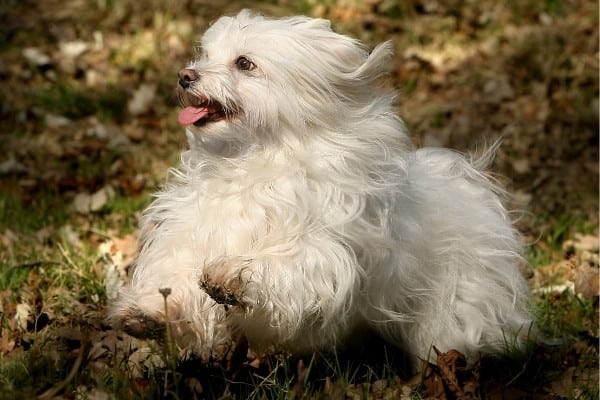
(142, 326)
(219, 293)
(224, 285)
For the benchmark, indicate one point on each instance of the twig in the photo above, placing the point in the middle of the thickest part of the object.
(66, 256)
(170, 350)
(38, 263)
(53, 391)
(69, 261)
(100, 233)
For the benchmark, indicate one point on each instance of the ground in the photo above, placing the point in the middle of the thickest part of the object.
(89, 130)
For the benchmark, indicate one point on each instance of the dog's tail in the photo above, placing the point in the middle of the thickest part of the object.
(375, 65)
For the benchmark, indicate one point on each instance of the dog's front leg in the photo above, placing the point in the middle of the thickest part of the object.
(296, 303)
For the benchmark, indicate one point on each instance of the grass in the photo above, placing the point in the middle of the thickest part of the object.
(124, 212)
(28, 373)
(60, 275)
(548, 247)
(68, 281)
(75, 284)
(29, 214)
(565, 315)
(68, 98)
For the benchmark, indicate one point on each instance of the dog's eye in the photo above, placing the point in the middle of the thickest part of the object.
(244, 64)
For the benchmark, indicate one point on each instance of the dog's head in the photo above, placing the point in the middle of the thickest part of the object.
(257, 76)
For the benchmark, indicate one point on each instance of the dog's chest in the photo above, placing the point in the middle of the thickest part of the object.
(243, 213)
(270, 204)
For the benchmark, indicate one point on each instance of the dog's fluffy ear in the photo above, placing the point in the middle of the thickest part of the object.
(310, 23)
(319, 23)
(375, 65)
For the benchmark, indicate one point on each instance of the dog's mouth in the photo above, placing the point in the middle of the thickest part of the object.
(200, 112)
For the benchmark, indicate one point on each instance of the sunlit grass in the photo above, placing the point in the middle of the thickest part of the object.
(28, 214)
(69, 99)
(59, 271)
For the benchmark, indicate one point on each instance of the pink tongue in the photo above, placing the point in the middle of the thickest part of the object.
(191, 114)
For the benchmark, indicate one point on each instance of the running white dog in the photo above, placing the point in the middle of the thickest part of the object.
(301, 214)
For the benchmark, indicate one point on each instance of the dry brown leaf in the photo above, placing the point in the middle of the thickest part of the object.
(433, 384)
(551, 274)
(85, 202)
(117, 254)
(586, 243)
(8, 238)
(36, 56)
(586, 280)
(12, 167)
(333, 391)
(128, 245)
(450, 378)
(521, 166)
(143, 359)
(237, 354)
(23, 316)
(563, 386)
(142, 99)
(7, 343)
(449, 365)
(194, 386)
(354, 392)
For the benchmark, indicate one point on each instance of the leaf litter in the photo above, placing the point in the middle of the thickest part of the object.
(89, 114)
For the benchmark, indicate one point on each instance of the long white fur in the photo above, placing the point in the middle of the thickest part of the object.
(312, 196)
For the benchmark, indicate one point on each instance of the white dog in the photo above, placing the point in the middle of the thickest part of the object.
(301, 214)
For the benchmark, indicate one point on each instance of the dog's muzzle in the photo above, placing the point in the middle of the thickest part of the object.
(186, 77)
(197, 110)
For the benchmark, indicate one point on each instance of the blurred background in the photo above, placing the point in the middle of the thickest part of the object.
(88, 122)
(87, 91)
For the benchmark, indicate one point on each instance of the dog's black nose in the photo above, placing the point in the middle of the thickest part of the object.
(186, 77)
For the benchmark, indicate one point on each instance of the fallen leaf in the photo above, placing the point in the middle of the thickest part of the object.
(354, 392)
(450, 378)
(128, 245)
(85, 202)
(12, 167)
(521, 166)
(36, 56)
(586, 242)
(71, 236)
(143, 359)
(142, 99)
(44, 234)
(112, 281)
(56, 121)
(586, 280)
(194, 385)
(23, 315)
(118, 254)
(73, 49)
(81, 203)
(551, 275)
(563, 386)
(433, 384)
(7, 343)
(406, 393)
(498, 89)
(8, 238)
(101, 197)
(93, 393)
